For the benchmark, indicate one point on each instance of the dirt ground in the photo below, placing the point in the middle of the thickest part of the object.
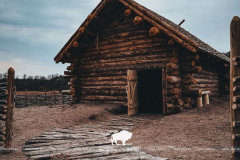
(199, 133)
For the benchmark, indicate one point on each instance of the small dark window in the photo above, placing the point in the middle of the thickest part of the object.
(121, 20)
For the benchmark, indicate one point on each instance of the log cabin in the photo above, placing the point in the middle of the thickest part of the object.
(125, 53)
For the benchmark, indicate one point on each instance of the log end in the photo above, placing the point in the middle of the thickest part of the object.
(90, 18)
(171, 42)
(127, 12)
(137, 20)
(153, 31)
(75, 44)
(81, 30)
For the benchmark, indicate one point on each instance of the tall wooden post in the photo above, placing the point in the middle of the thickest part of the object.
(10, 104)
(235, 81)
(132, 83)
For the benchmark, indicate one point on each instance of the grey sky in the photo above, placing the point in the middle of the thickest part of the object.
(33, 32)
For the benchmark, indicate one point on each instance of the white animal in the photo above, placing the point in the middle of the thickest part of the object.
(123, 136)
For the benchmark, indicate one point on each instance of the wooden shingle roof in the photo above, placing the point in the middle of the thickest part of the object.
(182, 36)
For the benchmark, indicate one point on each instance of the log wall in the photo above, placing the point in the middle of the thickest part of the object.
(100, 71)
(102, 55)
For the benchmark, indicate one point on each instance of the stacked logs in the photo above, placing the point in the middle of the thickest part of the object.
(174, 82)
(3, 113)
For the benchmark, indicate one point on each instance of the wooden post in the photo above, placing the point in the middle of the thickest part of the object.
(45, 96)
(10, 103)
(234, 72)
(199, 102)
(164, 92)
(205, 99)
(26, 97)
(132, 83)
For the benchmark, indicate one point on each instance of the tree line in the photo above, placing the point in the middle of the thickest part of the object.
(39, 83)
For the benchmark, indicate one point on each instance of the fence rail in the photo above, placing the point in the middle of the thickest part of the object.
(25, 100)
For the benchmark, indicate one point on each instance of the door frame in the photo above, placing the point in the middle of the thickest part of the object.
(164, 91)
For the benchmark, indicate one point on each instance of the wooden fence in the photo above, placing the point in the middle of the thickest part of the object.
(6, 110)
(235, 86)
(36, 99)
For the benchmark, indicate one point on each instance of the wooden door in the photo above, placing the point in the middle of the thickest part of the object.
(132, 83)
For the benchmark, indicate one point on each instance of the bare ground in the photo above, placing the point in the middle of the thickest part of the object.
(200, 133)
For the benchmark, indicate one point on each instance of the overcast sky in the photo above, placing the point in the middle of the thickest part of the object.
(33, 31)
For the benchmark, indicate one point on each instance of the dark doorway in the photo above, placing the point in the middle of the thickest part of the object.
(150, 91)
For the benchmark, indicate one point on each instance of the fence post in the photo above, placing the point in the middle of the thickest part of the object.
(235, 83)
(45, 96)
(26, 101)
(10, 103)
(36, 98)
(54, 97)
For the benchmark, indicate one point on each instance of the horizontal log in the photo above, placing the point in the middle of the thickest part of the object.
(3, 107)
(205, 85)
(128, 45)
(122, 63)
(121, 54)
(3, 84)
(102, 92)
(206, 80)
(192, 93)
(111, 78)
(2, 102)
(173, 79)
(125, 67)
(103, 82)
(115, 88)
(175, 91)
(175, 73)
(173, 66)
(195, 69)
(174, 60)
(3, 111)
(189, 63)
(189, 81)
(100, 74)
(102, 98)
(3, 96)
